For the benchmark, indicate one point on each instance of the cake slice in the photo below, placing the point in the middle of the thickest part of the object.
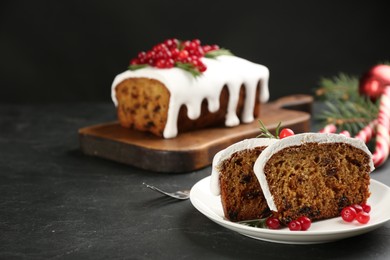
(314, 175)
(233, 178)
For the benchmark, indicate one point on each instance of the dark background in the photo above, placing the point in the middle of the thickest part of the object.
(65, 51)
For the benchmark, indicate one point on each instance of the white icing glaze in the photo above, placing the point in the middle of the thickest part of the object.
(294, 140)
(227, 152)
(187, 90)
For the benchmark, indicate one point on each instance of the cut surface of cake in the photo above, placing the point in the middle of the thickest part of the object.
(233, 178)
(166, 101)
(314, 175)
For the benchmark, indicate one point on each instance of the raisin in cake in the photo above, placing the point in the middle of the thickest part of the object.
(166, 101)
(314, 175)
(233, 178)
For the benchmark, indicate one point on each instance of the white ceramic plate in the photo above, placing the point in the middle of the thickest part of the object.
(319, 232)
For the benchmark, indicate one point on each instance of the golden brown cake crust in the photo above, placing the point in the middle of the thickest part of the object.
(143, 105)
(317, 180)
(241, 194)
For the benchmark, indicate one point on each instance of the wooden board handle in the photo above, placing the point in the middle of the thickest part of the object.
(299, 102)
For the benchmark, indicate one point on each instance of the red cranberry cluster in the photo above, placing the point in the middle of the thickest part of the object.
(358, 212)
(173, 52)
(302, 223)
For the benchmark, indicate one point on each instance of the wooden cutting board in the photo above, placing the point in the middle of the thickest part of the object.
(192, 150)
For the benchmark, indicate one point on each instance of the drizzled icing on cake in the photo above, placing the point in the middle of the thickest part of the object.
(187, 90)
(226, 153)
(296, 140)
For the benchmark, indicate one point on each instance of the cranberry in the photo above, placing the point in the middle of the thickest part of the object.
(171, 43)
(160, 55)
(151, 62)
(187, 44)
(199, 51)
(285, 132)
(206, 48)
(272, 223)
(357, 207)
(214, 47)
(169, 63)
(186, 60)
(202, 67)
(193, 45)
(305, 222)
(194, 57)
(183, 54)
(295, 225)
(363, 217)
(161, 63)
(134, 61)
(366, 207)
(142, 57)
(159, 47)
(150, 54)
(196, 42)
(195, 62)
(348, 214)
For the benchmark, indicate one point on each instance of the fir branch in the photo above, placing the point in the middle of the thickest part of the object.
(341, 87)
(345, 107)
(348, 115)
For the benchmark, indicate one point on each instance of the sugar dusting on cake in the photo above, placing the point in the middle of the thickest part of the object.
(298, 140)
(226, 153)
(190, 91)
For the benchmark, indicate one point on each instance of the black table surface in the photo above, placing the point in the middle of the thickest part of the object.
(56, 202)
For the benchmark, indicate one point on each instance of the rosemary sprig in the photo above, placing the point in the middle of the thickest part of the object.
(215, 53)
(189, 67)
(185, 66)
(258, 223)
(137, 66)
(264, 132)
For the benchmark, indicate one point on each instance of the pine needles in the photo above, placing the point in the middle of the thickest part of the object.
(344, 106)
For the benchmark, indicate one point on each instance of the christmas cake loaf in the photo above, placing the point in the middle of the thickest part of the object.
(181, 86)
(314, 175)
(233, 178)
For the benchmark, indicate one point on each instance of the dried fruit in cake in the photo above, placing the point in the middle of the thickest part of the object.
(314, 175)
(233, 178)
